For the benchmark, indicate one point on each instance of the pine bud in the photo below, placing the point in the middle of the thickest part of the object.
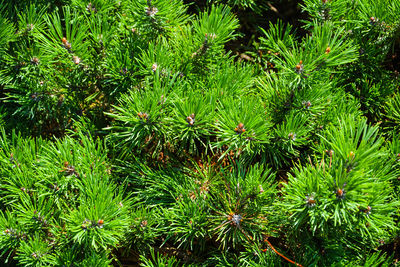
(85, 224)
(310, 202)
(151, 11)
(240, 128)
(35, 61)
(190, 119)
(261, 189)
(66, 44)
(327, 50)
(123, 71)
(30, 27)
(307, 104)
(299, 67)
(368, 210)
(76, 60)
(143, 116)
(340, 193)
(154, 67)
(235, 219)
(91, 8)
(292, 136)
(35, 96)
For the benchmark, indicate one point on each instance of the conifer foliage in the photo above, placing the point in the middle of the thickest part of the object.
(135, 131)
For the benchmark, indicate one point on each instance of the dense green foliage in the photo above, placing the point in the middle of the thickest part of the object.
(129, 130)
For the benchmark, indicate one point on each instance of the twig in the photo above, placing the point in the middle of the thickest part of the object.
(272, 247)
(286, 258)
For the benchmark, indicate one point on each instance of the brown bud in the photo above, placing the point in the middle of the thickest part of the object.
(339, 192)
(76, 60)
(327, 50)
(154, 67)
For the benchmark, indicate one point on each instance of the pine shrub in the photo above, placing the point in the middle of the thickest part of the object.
(191, 133)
